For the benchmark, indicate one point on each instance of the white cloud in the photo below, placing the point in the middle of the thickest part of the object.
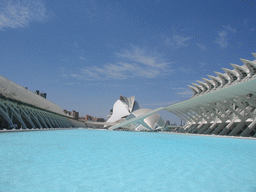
(21, 13)
(177, 41)
(139, 55)
(222, 38)
(201, 46)
(134, 62)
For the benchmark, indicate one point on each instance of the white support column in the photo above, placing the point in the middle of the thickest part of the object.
(230, 107)
(188, 127)
(242, 118)
(251, 101)
(220, 127)
(243, 107)
(247, 131)
(237, 129)
(196, 129)
(209, 130)
(204, 120)
(17, 116)
(62, 123)
(196, 116)
(228, 127)
(26, 116)
(219, 107)
(6, 116)
(30, 111)
(207, 113)
(205, 127)
(55, 123)
(214, 109)
(39, 115)
(47, 120)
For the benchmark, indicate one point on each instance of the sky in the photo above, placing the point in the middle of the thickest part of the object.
(85, 54)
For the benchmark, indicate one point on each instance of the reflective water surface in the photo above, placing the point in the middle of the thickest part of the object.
(96, 160)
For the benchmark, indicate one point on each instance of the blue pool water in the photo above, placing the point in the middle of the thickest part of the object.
(95, 160)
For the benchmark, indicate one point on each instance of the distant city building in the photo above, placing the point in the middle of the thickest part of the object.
(43, 95)
(100, 120)
(94, 119)
(38, 93)
(75, 115)
(88, 118)
(81, 119)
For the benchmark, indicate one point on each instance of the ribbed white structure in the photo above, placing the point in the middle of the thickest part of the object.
(123, 107)
(237, 75)
(222, 105)
(11, 90)
(126, 109)
(25, 109)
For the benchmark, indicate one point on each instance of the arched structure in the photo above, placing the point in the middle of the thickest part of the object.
(123, 107)
(22, 108)
(222, 105)
(126, 109)
(151, 123)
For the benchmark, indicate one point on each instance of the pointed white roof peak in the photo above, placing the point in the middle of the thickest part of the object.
(233, 74)
(193, 89)
(129, 101)
(199, 88)
(203, 85)
(217, 81)
(209, 82)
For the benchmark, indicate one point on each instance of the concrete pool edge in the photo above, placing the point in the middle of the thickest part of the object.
(221, 136)
(52, 129)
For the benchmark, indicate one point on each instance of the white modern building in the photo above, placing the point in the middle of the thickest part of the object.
(22, 108)
(122, 108)
(125, 109)
(221, 105)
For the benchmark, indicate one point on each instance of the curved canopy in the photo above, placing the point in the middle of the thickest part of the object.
(13, 91)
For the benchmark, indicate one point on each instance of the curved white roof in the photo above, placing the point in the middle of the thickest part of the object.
(11, 90)
(119, 110)
(230, 77)
(243, 85)
(123, 107)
